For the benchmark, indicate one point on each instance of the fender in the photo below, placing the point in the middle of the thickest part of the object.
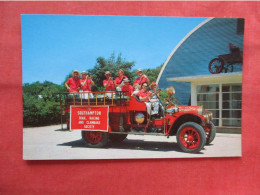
(177, 120)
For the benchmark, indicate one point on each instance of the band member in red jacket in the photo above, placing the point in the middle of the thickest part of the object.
(73, 83)
(119, 81)
(109, 84)
(144, 94)
(142, 78)
(86, 82)
(127, 87)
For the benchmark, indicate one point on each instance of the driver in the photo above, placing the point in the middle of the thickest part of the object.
(145, 96)
(157, 104)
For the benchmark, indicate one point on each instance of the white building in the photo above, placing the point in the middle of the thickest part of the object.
(187, 70)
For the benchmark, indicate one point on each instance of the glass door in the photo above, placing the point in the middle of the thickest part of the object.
(232, 101)
(208, 96)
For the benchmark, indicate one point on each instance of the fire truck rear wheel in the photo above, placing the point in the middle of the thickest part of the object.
(94, 139)
(191, 137)
(117, 137)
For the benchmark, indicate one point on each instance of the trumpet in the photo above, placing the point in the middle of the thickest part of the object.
(89, 76)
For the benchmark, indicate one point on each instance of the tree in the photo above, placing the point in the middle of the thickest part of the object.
(65, 80)
(40, 105)
(111, 64)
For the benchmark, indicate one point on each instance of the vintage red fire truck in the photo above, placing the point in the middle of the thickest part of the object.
(111, 116)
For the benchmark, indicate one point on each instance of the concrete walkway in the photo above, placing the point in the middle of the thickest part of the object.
(54, 143)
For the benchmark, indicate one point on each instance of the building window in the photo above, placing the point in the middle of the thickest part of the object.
(224, 101)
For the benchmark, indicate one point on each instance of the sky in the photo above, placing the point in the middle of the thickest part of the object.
(54, 45)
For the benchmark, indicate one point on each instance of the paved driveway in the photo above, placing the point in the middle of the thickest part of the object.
(52, 142)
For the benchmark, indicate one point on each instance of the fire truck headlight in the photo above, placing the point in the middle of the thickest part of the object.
(208, 117)
(201, 110)
(139, 118)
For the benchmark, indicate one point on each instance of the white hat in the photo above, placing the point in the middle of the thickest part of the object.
(139, 70)
(126, 80)
(121, 71)
(84, 72)
(107, 72)
(75, 71)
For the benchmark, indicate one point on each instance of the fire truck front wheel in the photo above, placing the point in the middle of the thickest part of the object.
(211, 135)
(191, 137)
(94, 139)
(117, 137)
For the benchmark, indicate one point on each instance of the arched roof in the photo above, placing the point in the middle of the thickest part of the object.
(175, 49)
(193, 54)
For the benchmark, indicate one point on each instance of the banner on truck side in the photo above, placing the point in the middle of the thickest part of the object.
(93, 118)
